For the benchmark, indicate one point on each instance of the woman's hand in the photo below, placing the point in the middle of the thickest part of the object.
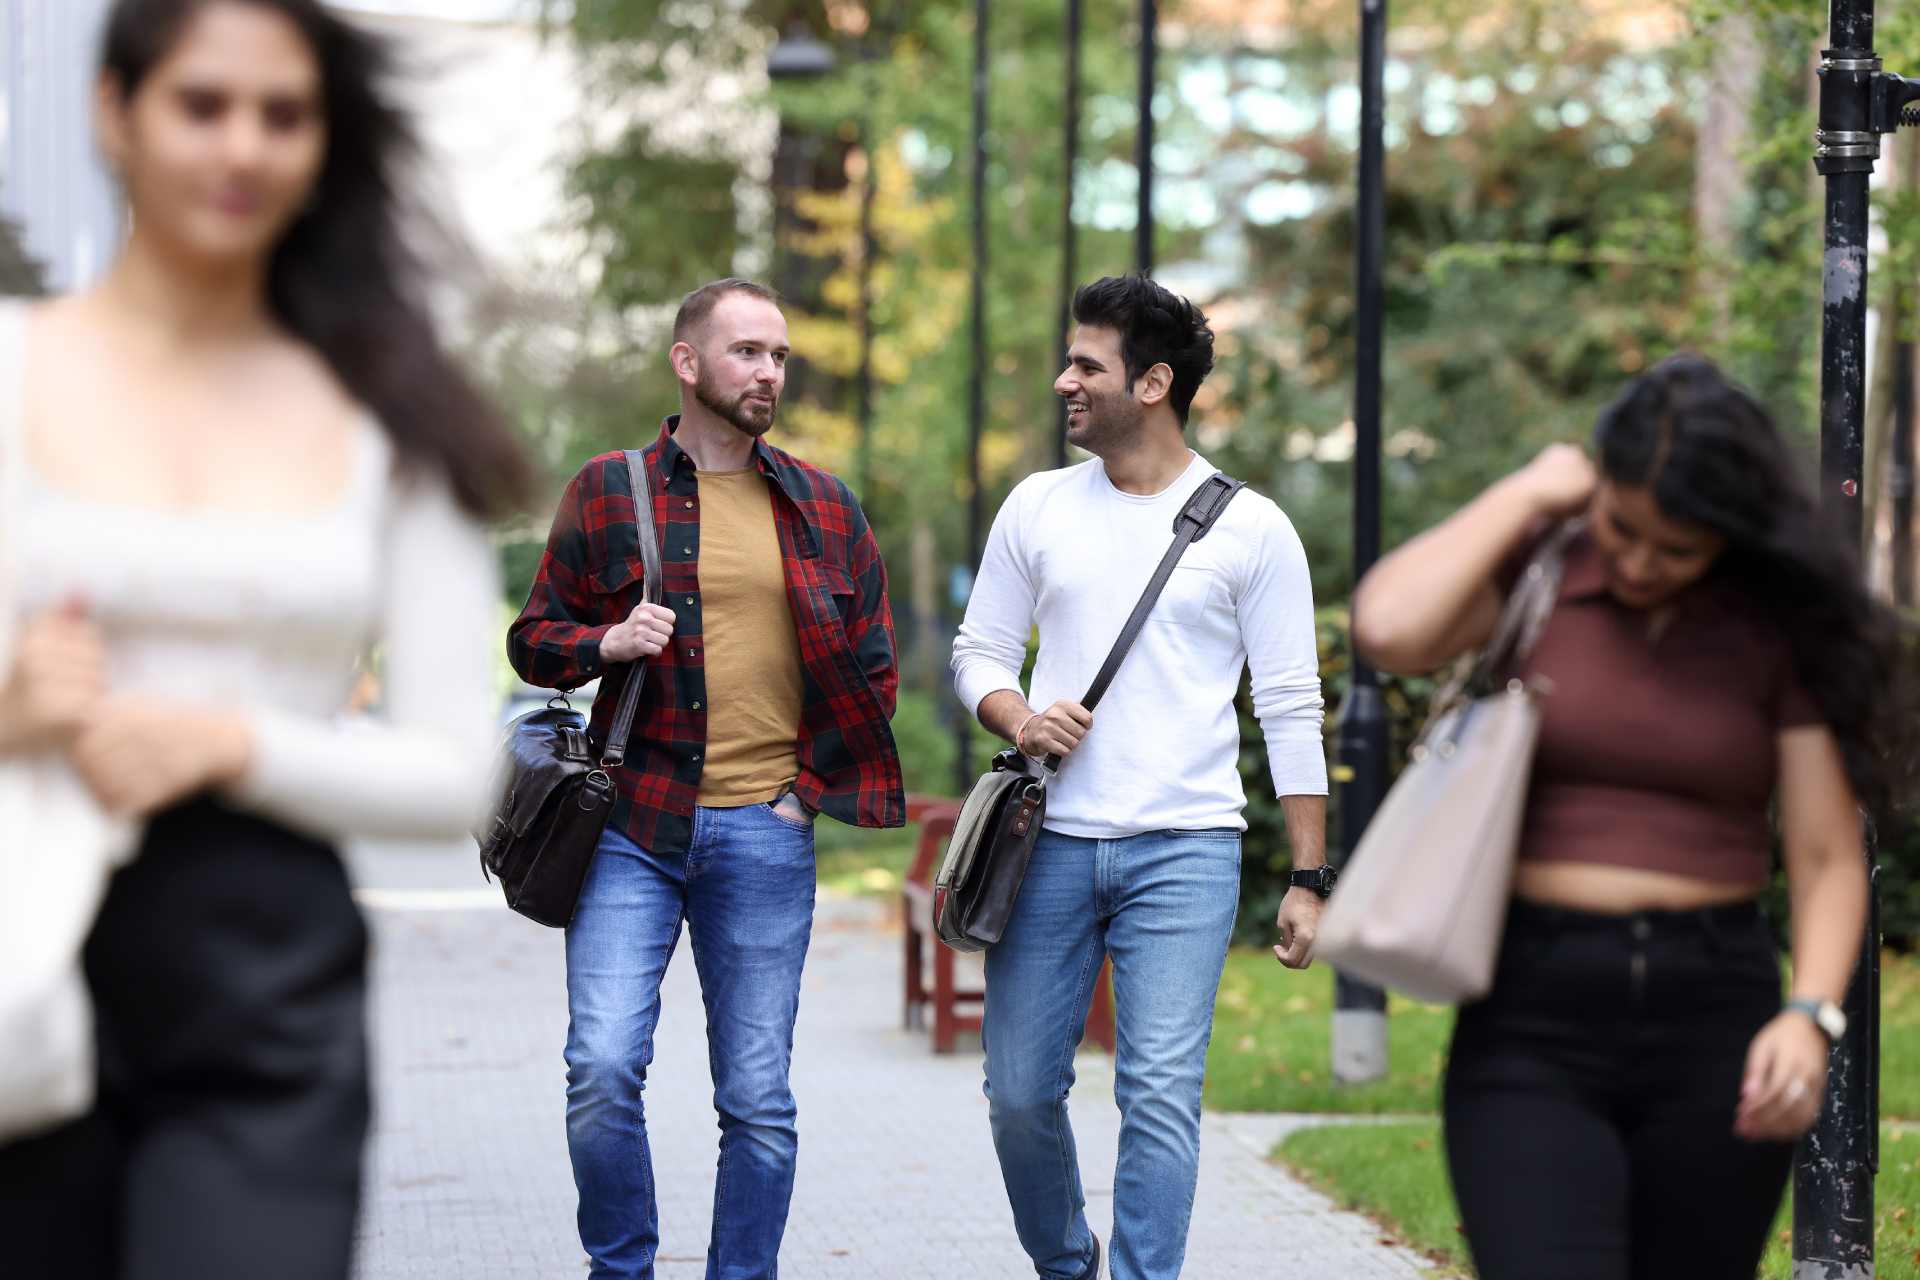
(59, 675)
(1560, 481)
(139, 755)
(1785, 1078)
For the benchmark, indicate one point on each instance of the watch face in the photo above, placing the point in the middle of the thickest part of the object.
(1831, 1020)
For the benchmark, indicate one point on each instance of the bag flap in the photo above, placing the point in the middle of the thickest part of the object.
(544, 749)
(975, 824)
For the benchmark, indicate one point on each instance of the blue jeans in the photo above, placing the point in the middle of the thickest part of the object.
(1162, 905)
(745, 888)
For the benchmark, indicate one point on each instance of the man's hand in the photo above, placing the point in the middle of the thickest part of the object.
(1055, 731)
(1299, 925)
(647, 630)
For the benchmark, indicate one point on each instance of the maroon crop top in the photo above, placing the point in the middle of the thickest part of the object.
(1658, 753)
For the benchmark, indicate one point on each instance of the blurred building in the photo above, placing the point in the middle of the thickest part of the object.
(52, 184)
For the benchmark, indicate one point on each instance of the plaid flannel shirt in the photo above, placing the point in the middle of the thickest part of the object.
(590, 578)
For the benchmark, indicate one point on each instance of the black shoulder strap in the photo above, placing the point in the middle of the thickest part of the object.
(1191, 525)
(649, 538)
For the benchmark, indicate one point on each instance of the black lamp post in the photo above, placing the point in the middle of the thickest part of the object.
(1359, 1042)
(1069, 236)
(977, 339)
(1833, 1174)
(799, 56)
(1149, 50)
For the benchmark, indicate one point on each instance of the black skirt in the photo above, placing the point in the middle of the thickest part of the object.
(228, 972)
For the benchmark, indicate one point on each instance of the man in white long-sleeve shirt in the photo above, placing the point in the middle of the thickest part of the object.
(1140, 855)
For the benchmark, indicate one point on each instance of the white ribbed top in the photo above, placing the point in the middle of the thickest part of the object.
(275, 615)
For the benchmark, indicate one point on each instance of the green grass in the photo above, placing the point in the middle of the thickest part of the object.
(1900, 1039)
(1396, 1174)
(869, 863)
(1271, 1028)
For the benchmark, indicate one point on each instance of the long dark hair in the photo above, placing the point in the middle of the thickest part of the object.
(344, 277)
(1713, 457)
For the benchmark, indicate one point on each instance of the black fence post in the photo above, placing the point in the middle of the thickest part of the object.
(1360, 1009)
(1833, 1171)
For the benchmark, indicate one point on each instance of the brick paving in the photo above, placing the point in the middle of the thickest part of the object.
(468, 1178)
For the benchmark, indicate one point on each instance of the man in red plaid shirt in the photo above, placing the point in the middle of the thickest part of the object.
(770, 681)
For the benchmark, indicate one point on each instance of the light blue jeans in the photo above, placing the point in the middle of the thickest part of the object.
(745, 888)
(1162, 905)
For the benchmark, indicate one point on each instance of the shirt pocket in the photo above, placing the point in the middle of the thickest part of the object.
(838, 584)
(615, 576)
(1195, 595)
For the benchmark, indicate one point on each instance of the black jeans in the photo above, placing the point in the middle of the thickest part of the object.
(228, 972)
(1590, 1098)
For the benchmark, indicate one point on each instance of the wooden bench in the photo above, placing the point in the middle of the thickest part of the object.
(957, 1008)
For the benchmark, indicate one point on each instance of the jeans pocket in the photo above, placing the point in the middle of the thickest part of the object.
(772, 807)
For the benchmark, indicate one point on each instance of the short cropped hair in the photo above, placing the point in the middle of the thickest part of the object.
(698, 305)
(1156, 326)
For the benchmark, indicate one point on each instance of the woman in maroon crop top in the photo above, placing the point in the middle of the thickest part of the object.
(1625, 1101)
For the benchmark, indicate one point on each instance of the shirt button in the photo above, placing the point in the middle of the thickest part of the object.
(696, 755)
(689, 506)
(693, 653)
(696, 706)
(686, 551)
(1642, 928)
(689, 601)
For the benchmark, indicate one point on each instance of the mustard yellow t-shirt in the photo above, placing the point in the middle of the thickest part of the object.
(754, 684)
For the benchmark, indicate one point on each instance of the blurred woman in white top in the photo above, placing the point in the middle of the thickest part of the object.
(239, 466)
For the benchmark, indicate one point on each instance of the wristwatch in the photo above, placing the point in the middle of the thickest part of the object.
(1320, 880)
(1826, 1015)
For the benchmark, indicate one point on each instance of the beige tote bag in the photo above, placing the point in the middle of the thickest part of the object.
(1422, 903)
(57, 850)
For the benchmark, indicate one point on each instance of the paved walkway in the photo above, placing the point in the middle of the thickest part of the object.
(469, 1177)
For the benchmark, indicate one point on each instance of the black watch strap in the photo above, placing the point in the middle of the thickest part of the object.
(1320, 880)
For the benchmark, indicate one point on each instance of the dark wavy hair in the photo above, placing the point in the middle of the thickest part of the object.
(1711, 456)
(344, 277)
(1157, 326)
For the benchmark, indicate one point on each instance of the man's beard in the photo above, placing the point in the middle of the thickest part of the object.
(1111, 424)
(753, 416)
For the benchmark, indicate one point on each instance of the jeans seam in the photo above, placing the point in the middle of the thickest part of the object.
(1068, 1166)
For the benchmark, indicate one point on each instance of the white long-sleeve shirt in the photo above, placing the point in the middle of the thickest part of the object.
(269, 614)
(1070, 554)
